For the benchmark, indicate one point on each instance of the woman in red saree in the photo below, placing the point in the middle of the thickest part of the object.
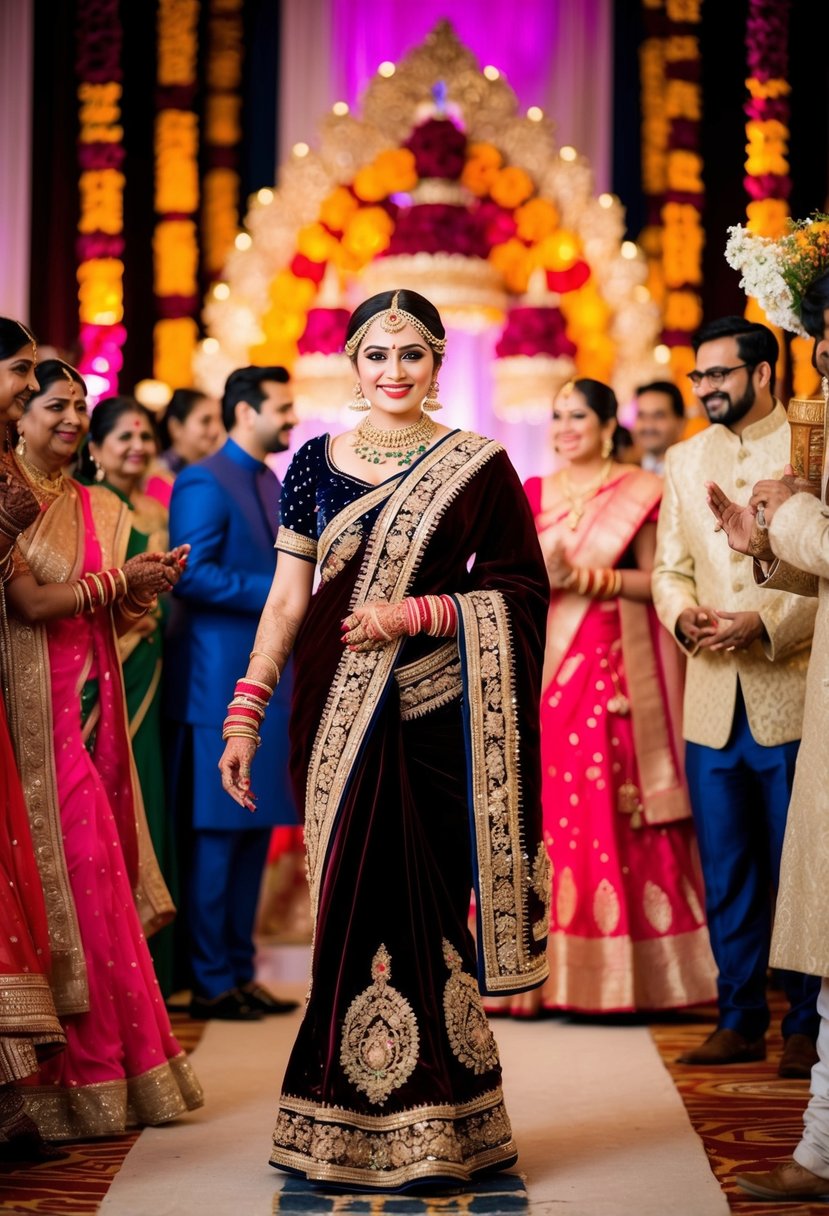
(29, 1028)
(627, 928)
(122, 1064)
(415, 756)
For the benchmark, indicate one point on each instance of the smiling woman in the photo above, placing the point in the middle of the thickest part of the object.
(99, 874)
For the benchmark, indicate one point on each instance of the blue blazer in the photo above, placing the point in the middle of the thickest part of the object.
(227, 509)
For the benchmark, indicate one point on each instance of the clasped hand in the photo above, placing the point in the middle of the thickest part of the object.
(715, 629)
(372, 626)
(149, 574)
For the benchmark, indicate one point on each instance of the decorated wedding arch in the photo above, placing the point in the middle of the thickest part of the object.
(439, 184)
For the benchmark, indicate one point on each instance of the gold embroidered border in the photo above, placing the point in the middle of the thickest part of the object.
(338, 1145)
(503, 868)
(430, 682)
(350, 514)
(295, 543)
(341, 552)
(109, 1107)
(26, 1006)
(394, 550)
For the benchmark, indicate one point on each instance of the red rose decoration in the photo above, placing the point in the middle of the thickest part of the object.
(439, 148)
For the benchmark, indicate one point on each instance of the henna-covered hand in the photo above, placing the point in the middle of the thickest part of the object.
(374, 625)
(235, 769)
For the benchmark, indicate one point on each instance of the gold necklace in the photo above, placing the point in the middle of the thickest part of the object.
(578, 498)
(47, 485)
(401, 445)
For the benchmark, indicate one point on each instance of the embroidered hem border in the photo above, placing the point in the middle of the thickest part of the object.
(492, 737)
(332, 1144)
(295, 543)
(615, 974)
(110, 1107)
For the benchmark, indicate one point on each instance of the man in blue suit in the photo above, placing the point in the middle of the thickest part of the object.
(227, 508)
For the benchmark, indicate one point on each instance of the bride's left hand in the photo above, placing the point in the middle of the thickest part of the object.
(373, 626)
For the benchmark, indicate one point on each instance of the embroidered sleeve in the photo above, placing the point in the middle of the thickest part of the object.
(297, 534)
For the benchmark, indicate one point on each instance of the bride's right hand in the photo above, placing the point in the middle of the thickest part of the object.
(235, 769)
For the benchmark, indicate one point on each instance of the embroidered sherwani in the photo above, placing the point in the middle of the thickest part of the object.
(743, 713)
(417, 765)
(694, 565)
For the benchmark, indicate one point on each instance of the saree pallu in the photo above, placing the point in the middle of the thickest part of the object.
(418, 768)
(627, 928)
(122, 1064)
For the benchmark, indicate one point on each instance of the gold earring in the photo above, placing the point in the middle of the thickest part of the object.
(99, 472)
(430, 402)
(360, 403)
(607, 447)
(21, 446)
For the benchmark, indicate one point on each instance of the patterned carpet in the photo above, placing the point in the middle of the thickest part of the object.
(77, 1186)
(747, 1117)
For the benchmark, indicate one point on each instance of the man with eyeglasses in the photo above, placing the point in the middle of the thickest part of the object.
(748, 651)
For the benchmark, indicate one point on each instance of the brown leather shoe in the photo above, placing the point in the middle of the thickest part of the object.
(799, 1054)
(788, 1181)
(725, 1047)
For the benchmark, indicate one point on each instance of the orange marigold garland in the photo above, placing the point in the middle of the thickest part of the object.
(175, 241)
(682, 232)
(100, 243)
(222, 133)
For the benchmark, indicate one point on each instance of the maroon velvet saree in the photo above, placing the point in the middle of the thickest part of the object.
(418, 767)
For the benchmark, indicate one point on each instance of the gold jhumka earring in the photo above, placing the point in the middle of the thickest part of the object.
(360, 403)
(430, 402)
(607, 447)
(21, 446)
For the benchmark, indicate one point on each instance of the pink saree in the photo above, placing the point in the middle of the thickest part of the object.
(122, 1064)
(627, 928)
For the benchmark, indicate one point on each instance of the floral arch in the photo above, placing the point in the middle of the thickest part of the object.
(440, 185)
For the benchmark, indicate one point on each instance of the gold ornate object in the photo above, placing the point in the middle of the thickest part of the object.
(807, 422)
(467, 291)
(525, 385)
(578, 498)
(380, 1039)
(466, 1026)
(402, 446)
(322, 385)
(629, 802)
(46, 485)
(392, 320)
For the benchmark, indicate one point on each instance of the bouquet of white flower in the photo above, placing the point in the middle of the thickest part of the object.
(777, 273)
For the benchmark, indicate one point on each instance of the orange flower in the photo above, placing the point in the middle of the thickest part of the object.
(102, 201)
(768, 216)
(101, 291)
(397, 169)
(368, 233)
(174, 343)
(683, 310)
(536, 219)
(175, 258)
(290, 294)
(337, 209)
(514, 262)
(511, 187)
(481, 168)
(369, 185)
(685, 171)
(220, 190)
(222, 124)
(558, 251)
(316, 242)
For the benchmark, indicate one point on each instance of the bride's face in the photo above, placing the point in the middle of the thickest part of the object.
(395, 370)
(577, 432)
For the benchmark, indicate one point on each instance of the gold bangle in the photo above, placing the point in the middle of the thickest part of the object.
(260, 654)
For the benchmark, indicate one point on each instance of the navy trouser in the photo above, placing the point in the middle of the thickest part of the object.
(740, 797)
(225, 876)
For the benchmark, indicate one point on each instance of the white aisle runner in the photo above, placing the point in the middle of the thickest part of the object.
(600, 1129)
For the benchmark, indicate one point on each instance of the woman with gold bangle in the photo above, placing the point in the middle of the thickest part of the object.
(69, 593)
(627, 930)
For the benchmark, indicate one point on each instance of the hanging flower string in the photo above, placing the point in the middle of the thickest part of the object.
(100, 242)
(222, 133)
(654, 141)
(682, 235)
(175, 242)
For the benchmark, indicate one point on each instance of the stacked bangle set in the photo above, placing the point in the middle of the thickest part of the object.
(601, 584)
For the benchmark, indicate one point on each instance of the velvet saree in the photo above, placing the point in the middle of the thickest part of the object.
(122, 1064)
(418, 768)
(627, 928)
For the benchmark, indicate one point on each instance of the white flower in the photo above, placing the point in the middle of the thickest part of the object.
(761, 261)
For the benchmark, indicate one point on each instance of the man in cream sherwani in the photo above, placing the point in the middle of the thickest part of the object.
(798, 535)
(748, 653)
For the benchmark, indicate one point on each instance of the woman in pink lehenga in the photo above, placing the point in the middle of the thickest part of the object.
(627, 928)
(122, 1064)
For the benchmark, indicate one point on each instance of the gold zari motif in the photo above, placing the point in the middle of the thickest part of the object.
(606, 910)
(657, 907)
(541, 882)
(430, 683)
(466, 1026)
(380, 1039)
(341, 553)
